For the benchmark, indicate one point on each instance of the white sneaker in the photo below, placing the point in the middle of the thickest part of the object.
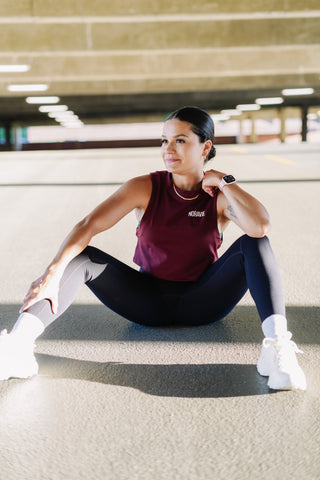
(16, 357)
(278, 361)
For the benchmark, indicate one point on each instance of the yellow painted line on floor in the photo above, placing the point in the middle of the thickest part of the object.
(275, 158)
(239, 149)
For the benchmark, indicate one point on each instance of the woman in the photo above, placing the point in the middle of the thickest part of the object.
(183, 213)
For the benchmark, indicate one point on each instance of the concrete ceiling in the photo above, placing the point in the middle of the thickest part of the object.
(134, 58)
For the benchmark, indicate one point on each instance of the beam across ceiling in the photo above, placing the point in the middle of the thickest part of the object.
(111, 58)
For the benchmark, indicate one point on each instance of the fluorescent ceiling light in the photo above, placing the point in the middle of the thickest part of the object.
(219, 117)
(71, 120)
(247, 107)
(231, 112)
(67, 119)
(297, 91)
(28, 88)
(65, 113)
(14, 68)
(269, 101)
(42, 100)
(53, 108)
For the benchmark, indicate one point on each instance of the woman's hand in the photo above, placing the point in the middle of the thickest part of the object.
(211, 180)
(45, 287)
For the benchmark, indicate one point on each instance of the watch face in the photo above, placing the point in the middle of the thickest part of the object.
(229, 178)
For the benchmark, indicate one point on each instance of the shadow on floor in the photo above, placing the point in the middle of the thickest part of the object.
(187, 381)
(98, 323)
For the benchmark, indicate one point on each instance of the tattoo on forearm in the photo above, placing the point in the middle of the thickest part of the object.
(231, 212)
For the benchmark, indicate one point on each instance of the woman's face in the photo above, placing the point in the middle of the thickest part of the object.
(181, 149)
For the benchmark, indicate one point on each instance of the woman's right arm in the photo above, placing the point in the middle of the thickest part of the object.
(133, 194)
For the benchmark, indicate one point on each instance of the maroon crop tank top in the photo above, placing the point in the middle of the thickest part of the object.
(177, 239)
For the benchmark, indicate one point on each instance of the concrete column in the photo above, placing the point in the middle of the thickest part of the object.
(17, 138)
(253, 137)
(241, 138)
(282, 116)
(304, 127)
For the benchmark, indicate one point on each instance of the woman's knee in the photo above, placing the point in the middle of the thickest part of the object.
(83, 267)
(77, 263)
(254, 242)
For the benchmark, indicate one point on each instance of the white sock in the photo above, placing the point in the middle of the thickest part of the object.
(274, 326)
(28, 327)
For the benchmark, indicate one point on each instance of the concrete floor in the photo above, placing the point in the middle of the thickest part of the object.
(119, 401)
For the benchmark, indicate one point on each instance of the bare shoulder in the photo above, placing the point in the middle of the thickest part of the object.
(139, 188)
(143, 181)
(133, 194)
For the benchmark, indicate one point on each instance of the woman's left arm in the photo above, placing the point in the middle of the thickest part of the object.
(237, 205)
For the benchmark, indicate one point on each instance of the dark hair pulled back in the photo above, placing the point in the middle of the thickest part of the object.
(201, 124)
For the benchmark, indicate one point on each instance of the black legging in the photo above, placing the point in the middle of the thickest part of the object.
(145, 299)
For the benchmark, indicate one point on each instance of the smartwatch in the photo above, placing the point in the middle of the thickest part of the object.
(226, 180)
